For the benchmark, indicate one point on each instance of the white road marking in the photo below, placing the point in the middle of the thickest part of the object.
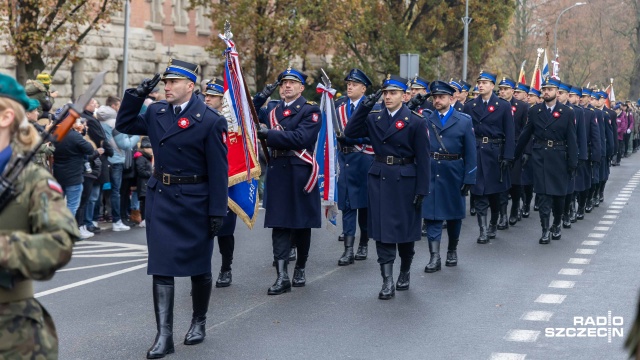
(571, 272)
(616, 207)
(586, 251)
(551, 298)
(597, 235)
(614, 211)
(610, 217)
(621, 198)
(579, 261)
(507, 356)
(537, 315)
(606, 222)
(591, 243)
(101, 265)
(619, 203)
(601, 228)
(562, 284)
(88, 281)
(522, 335)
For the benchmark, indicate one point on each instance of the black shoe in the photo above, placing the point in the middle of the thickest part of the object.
(566, 223)
(503, 223)
(444, 224)
(299, 279)
(536, 208)
(520, 214)
(388, 290)
(556, 232)
(601, 198)
(589, 207)
(363, 251)
(573, 215)
(596, 202)
(526, 211)
(200, 295)
(282, 284)
(491, 231)
(163, 308)
(347, 256)
(580, 213)
(452, 258)
(434, 261)
(93, 229)
(424, 229)
(340, 238)
(224, 279)
(472, 211)
(544, 239)
(292, 254)
(513, 220)
(403, 281)
(483, 238)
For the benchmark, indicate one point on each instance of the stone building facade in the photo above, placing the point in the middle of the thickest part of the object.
(159, 29)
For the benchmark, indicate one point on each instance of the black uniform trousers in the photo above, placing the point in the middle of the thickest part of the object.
(226, 244)
(387, 253)
(282, 239)
(551, 203)
(483, 202)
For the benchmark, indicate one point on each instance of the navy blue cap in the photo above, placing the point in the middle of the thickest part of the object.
(419, 83)
(465, 85)
(550, 82)
(293, 74)
(535, 92)
(441, 88)
(457, 86)
(586, 91)
(603, 94)
(564, 87)
(395, 82)
(595, 94)
(178, 69)
(215, 87)
(358, 75)
(485, 75)
(506, 82)
(576, 90)
(521, 87)
(475, 89)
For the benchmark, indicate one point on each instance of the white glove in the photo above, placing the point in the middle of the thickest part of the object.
(628, 131)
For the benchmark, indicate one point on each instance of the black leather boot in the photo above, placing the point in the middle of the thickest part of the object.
(556, 231)
(200, 294)
(434, 262)
(163, 308)
(483, 238)
(589, 207)
(224, 279)
(492, 230)
(580, 213)
(544, 239)
(299, 278)
(423, 233)
(347, 256)
(405, 274)
(282, 284)
(503, 224)
(515, 214)
(363, 249)
(292, 254)
(340, 238)
(526, 209)
(388, 288)
(452, 253)
(566, 221)
(573, 216)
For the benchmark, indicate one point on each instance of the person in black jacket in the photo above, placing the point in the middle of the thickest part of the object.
(144, 169)
(68, 166)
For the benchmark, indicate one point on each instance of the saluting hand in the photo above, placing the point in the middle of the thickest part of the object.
(415, 101)
(372, 99)
(269, 89)
(147, 85)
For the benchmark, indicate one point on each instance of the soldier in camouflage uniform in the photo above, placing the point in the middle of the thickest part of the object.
(37, 233)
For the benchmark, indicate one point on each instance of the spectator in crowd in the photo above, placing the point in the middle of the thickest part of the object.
(144, 169)
(68, 166)
(45, 153)
(623, 124)
(121, 143)
(151, 98)
(95, 167)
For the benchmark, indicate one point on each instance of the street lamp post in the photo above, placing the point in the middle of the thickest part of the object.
(466, 20)
(555, 29)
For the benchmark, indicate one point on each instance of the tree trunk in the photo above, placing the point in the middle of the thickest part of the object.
(262, 70)
(634, 80)
(29, 70)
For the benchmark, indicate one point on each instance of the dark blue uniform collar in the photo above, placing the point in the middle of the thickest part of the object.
(5, 156)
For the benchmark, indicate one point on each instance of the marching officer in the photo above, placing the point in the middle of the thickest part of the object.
(186, 196)
(519, 109)
(520, 92)
(292, 180)
(354, 158)
(569, 213)
(554, 157)
(596, 162)
(420, 86)
(458, 105)
(37, 233)
(494, 131)
(214, 97)
(526, 178)
(533, 96)
(612, 126)
(398, 179)
(453, 173)
(584, 172)
(607, 133)
(464, 93)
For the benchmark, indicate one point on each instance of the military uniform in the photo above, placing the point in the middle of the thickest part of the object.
(186, 197)
(354, 158)
(397, 181)
(422, 85)
(613, 124)
(453, 165)
(495, 142)
(458, 88)
(555, 157)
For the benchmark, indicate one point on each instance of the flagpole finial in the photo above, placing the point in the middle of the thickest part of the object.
(227, 30)
(611, 80)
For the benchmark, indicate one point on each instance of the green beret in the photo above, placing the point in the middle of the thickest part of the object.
(10, 88)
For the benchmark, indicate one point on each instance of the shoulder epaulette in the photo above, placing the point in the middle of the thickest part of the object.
(417, 113)
(592, 109)
(311, 102)
(570, 107)
(375, 111)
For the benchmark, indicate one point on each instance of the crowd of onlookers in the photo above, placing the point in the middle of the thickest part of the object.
(103, 173)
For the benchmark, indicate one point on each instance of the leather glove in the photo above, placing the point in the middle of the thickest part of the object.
(417, 202)
(464, 190)
(215, 223)
(341, 139)
(628, 131)
(262, 133)
(372, 99)
(147, 85)
(525, 159)
(269, 89)
(415, 101)
(506, 164)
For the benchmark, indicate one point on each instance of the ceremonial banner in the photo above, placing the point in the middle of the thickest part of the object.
(244, 168)
(611, 95)
(545, 66)
(326, 155)
(522, 77)
(536, 80)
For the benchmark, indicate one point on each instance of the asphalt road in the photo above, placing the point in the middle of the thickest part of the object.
(501, 301)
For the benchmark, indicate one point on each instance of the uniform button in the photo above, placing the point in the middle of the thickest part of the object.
(179, 149)
(438, 175)
(160, 191)
(384, 178)
(440, 149)
(176, 195)
(347, 165)
(439, 162)
(161, 144)
(384, 142)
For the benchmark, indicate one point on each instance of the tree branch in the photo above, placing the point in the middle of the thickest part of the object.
(62, 22)
(48, 20)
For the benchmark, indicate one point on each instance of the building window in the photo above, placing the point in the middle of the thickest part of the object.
(203, 23)
(180, 16)
(157, 15)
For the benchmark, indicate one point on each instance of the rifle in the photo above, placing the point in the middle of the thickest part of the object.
(58, 131)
